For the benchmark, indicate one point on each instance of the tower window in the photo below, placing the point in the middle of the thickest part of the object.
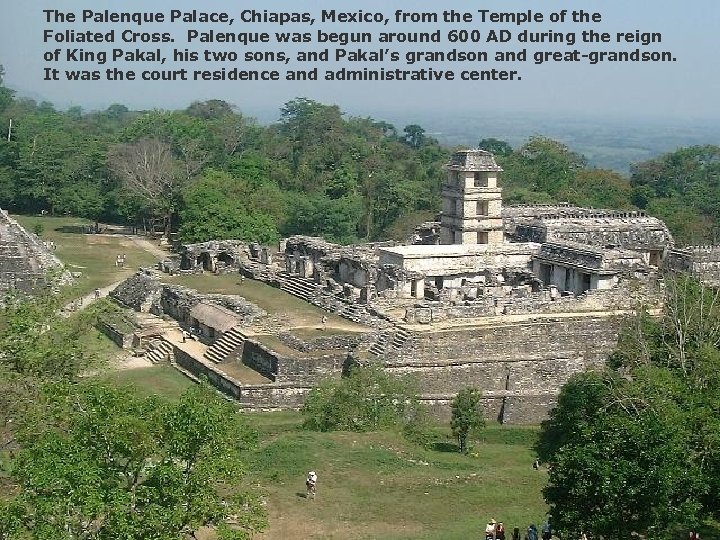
(481, 179)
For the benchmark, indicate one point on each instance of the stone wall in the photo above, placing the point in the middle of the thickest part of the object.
(25, 261)
(216, 256)
(521, 301)
(519, 366)
(122, 337)
(257, 396)
(505, 407)
(702, 262)
(629, 230)
(290, 368)
(322, 343)
(122, 340)
(139, 291)
(178, 301)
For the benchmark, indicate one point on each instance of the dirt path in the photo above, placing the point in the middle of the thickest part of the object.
(150, 247)
(83, 302)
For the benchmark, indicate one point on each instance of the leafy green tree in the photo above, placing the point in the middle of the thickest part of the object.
(414, 136)
(35, 341)
(636, 449)
(368, 399)
(495, 146)
(6, 94)
(598, 188)
(542, 165)
(319, 215)
(466, 415)
(104, 463)
(219, 206)
(210, 109)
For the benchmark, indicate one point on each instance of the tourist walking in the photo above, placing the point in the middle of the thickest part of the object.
(546, 531)
(490, 529)
(311, 485)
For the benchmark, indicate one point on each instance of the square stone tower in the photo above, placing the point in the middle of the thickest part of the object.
(472, 200)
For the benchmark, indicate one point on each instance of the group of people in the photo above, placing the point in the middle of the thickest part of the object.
(495, 530)
(120, 260)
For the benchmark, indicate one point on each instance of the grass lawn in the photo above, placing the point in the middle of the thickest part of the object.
(160, 379)
(93, 255)
(377, 485)
(269, 298)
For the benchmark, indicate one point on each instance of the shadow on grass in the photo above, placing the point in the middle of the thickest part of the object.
(301, 494)
(444, 446)
(74, 229)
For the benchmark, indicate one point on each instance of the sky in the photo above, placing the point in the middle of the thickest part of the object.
(686, 88)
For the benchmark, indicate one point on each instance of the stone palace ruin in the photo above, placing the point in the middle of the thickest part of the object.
(510, 300)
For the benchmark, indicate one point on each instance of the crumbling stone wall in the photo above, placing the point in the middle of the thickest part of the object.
(217, 256)
(322, 343)
(139, 291)
(628, 230)
(702, 262)
(270, 396)
(519, 366)
(25, 261)
(178, 301)
(277, 367)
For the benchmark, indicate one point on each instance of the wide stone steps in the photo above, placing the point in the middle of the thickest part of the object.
(159, 350)
(304, 288)
(226, 345)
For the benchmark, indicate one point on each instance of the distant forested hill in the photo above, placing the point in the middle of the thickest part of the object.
(607, 142)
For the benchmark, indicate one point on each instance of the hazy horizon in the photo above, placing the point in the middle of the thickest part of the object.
(682, 90)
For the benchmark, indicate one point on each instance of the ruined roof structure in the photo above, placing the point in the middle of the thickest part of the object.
(628, 229)
(25, 261)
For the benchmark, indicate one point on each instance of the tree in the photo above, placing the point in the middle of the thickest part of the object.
(5, 93)
(542, 165)
(213, 108)
(495, 146)
(104, 463)
(682, 188)
(368, 399)
(148, 170)
(219, 205)
(466, 415)
(636, 449)
(414, 136)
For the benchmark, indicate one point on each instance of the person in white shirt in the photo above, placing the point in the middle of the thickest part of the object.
(311, 484)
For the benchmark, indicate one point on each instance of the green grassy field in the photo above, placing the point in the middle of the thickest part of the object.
(379, 485)
(162, 379)
(93, 255)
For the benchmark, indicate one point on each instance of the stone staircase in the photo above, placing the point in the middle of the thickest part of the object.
(304, 288)
(159, 350)
(391, 340)
(226, 345)
(314, 293)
